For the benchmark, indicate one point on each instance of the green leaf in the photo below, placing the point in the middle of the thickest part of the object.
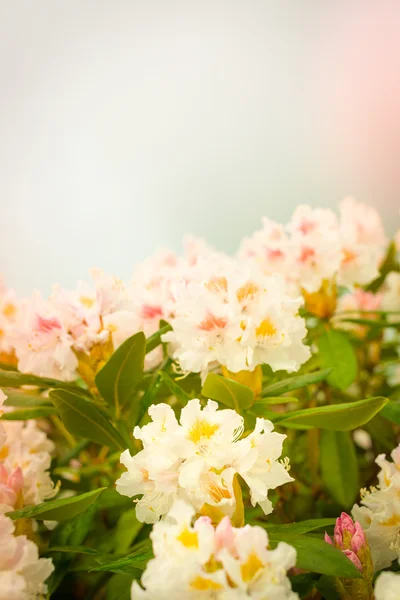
(57, 510)
(317, 556)
(337, 352)
(339, 467)
(117, 380)
(73, 550)
(174, 388)
(326, 586)
(392, 411)
(338, 417)
(69, 533)
(294, 383)
(298, 528)
(126, 531)
(23, 399)
(119, 587)
(29, 413)
(130, 563)
(228, 392)
(274, 400)
(15, 379)
(389, 264)
(83, 419)
(155, 340)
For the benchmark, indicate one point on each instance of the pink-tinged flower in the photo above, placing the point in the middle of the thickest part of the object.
(22, 572)
(11, 485)
(195, 560)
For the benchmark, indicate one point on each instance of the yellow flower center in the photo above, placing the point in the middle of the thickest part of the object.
(202, 429)
(203, 584)
(4, 452)
(265, 329)
(188, 538)
(9, 310)
(86, 301)
(251, 567)
(247, 291)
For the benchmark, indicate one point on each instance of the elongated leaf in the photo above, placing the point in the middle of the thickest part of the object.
(228, 392)
(338, 417)
(73, 550)
(392, 411)
(337, 353)
(15, 379)
(294, 383)
(155, 340)
(298, 528)
(25, 399)
(117, 380)
(126, 531)
(273, 400)
(339, 467)
(29, 413)
(316, 555)
(57, 510)
(389, 264)
(72, 532)
(83, 419)
(176, 390)
(130, 563)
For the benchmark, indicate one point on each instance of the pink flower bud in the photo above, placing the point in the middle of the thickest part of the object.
(358, 540)
(328, 539)
(354, 559)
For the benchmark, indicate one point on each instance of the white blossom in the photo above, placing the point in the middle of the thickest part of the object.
(387, 586)
(379, 514)
(197, 561)
(198, 459)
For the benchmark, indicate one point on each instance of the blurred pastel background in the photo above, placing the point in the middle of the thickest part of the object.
(126, 124)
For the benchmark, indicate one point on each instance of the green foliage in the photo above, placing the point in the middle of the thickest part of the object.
(339, 467)
(58, 510)
(117, 380)
(228, 392)
(337, 353)
(338, 417)
(83, 419)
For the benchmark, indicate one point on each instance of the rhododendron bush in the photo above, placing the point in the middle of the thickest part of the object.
(218, 427)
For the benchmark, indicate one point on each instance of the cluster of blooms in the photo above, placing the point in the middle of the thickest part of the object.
(237, 312)
(224, 563)
(379, 514)
(198, 459)
(315, 246)
(24, 460)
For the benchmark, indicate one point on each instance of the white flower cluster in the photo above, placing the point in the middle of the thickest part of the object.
(197, 561)
(236, 311)
(24, 479)
(239, 320)
(315, 246)
(379, 514)
(198, 459)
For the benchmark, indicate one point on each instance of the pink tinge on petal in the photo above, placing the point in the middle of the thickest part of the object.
(344, 524)
(224, 535)
(202, 521)
(358, 540)
(354, 559)
(3, 474)
(7, 495)
(16, 480)
(328, 539)
(151, 312)
(47, 325)
(306, 254)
